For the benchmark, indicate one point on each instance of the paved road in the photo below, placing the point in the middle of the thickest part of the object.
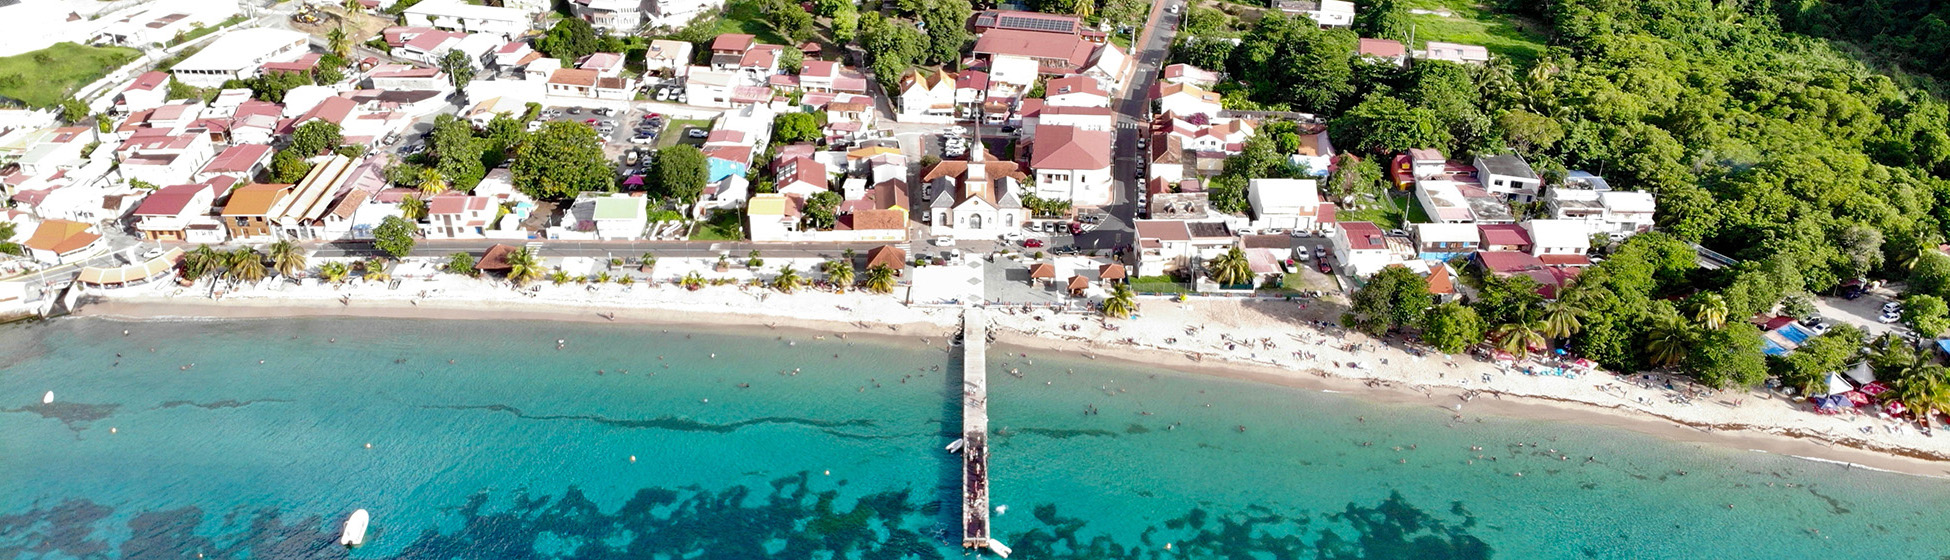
(607, 249)
(1131, 106)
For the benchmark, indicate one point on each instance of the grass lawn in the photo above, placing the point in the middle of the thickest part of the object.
(1388, 216)
(674, 132)
(1416, 215)
(1158, 285)
(743, 17)
(208, 29)
(49, 76)
(1471, 24)
(723, 226)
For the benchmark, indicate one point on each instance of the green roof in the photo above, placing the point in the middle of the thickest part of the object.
(619, 208)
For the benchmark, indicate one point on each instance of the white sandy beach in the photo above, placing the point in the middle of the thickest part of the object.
(1259, 340)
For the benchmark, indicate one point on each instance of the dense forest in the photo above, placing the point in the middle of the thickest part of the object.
(1775, 147)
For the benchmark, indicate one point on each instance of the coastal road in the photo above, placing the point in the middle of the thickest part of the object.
(607, 249)
(1131, 105)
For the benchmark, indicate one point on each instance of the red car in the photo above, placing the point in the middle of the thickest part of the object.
(1324, 268)
(589, 122)
(1032, 243)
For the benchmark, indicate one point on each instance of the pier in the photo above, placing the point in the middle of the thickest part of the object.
(975, 432)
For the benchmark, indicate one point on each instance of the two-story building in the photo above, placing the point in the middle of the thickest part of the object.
(1508, 175)
(1072, 163)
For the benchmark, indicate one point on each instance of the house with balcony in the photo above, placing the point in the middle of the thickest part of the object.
(1072, 163)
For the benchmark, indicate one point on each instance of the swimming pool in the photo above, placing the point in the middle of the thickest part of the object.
(1784, 339)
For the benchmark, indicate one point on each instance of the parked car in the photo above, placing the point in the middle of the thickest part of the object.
(1890, 317)
(1323, 266)
(1819, 328)
(1076, 228)
(1892, 307)
(575, 110)
(697, 133)
(1320, 252)
(1032, 243)
(643, 139)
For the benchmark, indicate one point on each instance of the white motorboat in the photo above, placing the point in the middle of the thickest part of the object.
(999, 548)
(957, 445)
(355, 529)
(48, 398)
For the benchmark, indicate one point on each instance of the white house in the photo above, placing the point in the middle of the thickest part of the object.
(674, 14)
(615, 17)
(1559, 238)
(1075, 91)
(1291, 204)
(458, 216)
(773, 215)
(63, 241)
(148, 91)
(927, 97)
(1510, 176)
(1109, 66)
(238, 54)
(1362, 249)
(1182, 73)
(665, 56)
(171, 212)
(1072, 164)
(709, 87)
(457, 15)
(1187, 99)
(1442, 241)
(1456, 52)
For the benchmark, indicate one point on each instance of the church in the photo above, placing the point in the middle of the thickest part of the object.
(976, 198)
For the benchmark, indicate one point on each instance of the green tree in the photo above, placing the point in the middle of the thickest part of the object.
(338, 42)
(458, 155)
(1727, 357)
(947, 29)
(1562, 318)
(195, 264)
(1669, 340)
(821, 210)
(395, 236)
(880, 279)
(1807, 367)
(287, 258)
(334, 273)
(1709, 310)
(1290, 60)
(73, 111)
(1230, 268)
(793, 127)
(839, 272)
(1529, 132)
(1383, 19)
(1452, 328)
(1520, 338)
(315, 137)
(788, 280)
(523, 267)
(1121, 303)
(415, 207)
(1927, 314)
(245, 265)
(563, 159)
(1507, 299)
(570, 39)
(460, 263)
(1393, 298)
(1381, 124)
(679, 173)
(288, 167)
(459, 69)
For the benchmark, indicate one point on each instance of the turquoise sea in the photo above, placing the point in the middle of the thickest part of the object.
(520, 449)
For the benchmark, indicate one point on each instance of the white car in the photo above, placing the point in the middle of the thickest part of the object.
(643, 140)
(1890, 317)
(697, 133)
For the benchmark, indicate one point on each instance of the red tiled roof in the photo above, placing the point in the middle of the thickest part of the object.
(1164, 230)
(737, 42)
(889, 255)
(1509, 261)
(237, 159)
(1565, 260)
(148, 81)
(1069, 147)
(1073, 84)
(1382, 48)
(1070, 48)
(1503, 234)
(574, 77)
(61, 236)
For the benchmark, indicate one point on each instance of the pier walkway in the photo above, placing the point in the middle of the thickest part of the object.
(975, 431)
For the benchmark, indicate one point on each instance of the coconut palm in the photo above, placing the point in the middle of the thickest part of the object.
(375, 270)
(880, 279)
(693, 281)
(1231, 268)
(413, 208)
(787, 280)
(1923, 390)
(353, 7)
(334, 272)
(1562, 318)
(647, 262)
(1121, 303)
(600, 278)
(522, 267)
(200, 261)
(287, 257)
(840, 273)
(245, 265)
(560, 277)
(432, 182)
(1520, 338)
(1710, 310)
(1669, 341)
(626, 280)
(338, 42)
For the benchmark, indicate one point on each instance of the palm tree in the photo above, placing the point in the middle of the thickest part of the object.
(1561, 318)
(375, 270)
(880, 279)
(626, 280)
(600, 278)
(522, 267)
(1519, 338)
(646, 263)
(693, 281)
(787, 280)
(560, 277)
(1231, 268)
(200, 261)
(246, 265)
(287, 257)
(1923, 391)
(413, 208)
(1081, 8)
(432, 182)
(840, 273)
(338, 42)
(334, 272)
(1710, 310)
(1121, 303)
(353, 7)
(1670, 339)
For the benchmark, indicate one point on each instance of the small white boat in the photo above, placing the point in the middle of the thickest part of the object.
(48, 398)
(957, 445)
(355, 529)
(999, 548)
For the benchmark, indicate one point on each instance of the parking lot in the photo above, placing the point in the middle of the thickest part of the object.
(1862, 312)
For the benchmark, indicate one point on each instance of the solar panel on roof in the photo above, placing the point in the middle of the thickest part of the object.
(1036, 24)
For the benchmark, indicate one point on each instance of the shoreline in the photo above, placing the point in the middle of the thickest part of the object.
(1391, 385)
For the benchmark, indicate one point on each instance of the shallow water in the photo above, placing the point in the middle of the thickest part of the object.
(519, 449)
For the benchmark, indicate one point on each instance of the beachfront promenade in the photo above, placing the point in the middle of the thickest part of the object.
(975, 429)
